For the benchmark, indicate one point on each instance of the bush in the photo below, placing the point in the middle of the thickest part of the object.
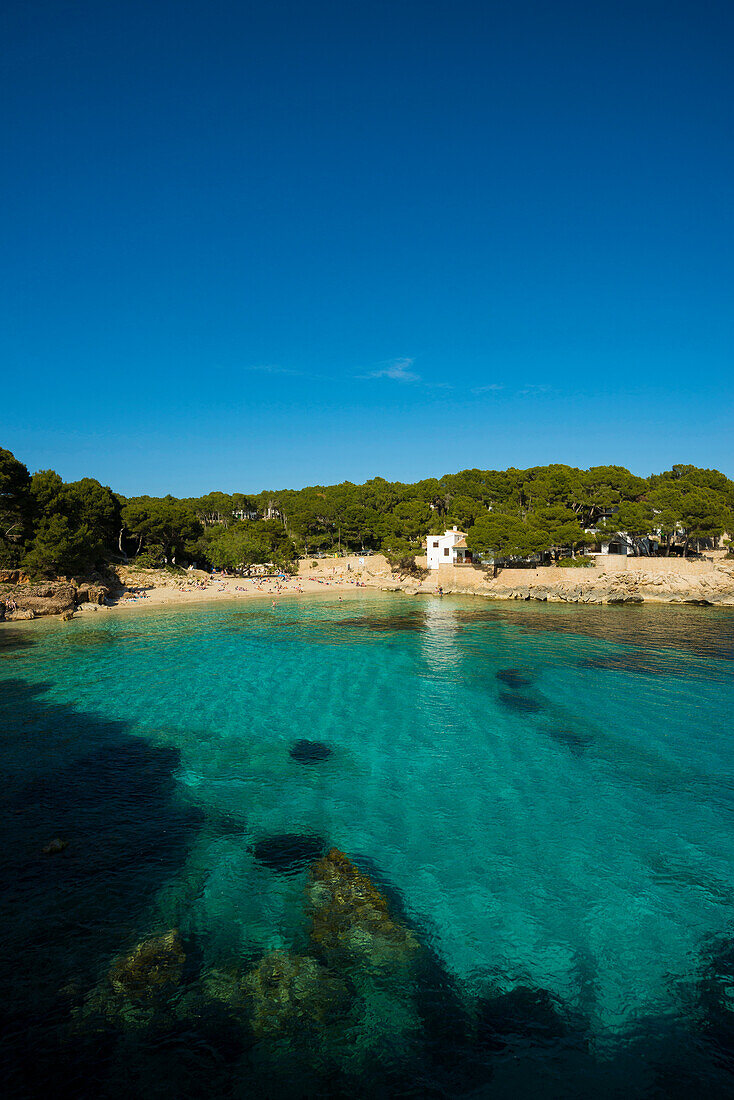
(151, 558)
(581, 562)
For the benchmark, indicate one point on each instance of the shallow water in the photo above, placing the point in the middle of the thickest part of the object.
(559, 839)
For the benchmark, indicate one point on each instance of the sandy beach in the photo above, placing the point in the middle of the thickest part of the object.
(229, 588)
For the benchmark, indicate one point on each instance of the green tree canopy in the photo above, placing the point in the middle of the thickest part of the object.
(15, 507)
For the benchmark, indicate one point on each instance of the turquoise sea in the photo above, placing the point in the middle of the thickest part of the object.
(543, 794)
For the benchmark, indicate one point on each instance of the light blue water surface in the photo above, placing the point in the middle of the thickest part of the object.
(574, 834)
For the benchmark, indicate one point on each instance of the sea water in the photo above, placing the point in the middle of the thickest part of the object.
(544, 795)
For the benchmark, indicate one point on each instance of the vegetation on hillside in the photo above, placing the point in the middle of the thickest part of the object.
(50, 527)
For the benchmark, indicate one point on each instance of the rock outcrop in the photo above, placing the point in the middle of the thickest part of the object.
(154, 964)
(350, 922)
(137, 989)
(13, 576)
(291, 992)
(27, 601)
(714, 585)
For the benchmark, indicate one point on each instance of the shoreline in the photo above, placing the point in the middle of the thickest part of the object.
(712, 585)
(235, 588)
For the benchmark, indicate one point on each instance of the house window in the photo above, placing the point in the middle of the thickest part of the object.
(445, 551)
(435, 545)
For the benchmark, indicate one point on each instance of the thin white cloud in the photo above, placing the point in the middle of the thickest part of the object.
(398, 370)
(491, 388)
(531, 391)
(271, 368)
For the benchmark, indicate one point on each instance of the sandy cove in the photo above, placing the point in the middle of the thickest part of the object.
(637, 580)
(229, 588)
(657, 580)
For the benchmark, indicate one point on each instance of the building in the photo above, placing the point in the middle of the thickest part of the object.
(625, 545)
(447, 549)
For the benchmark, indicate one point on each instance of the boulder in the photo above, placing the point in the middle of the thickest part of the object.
(350, 918)
(45, 599)
(154, 965)
(16, 616)
(98, 593)
(288, 993)
(55, 846)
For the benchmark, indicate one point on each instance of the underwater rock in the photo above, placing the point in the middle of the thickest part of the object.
(288, 852)
(524, 703)
(135, 994)
(154, 964)
(574, 741)
(350, 919)
(523, 1015)
(310, 752)
(55, 846)
(386, 624)
(289, 992)
(514, 678)
(227, 987)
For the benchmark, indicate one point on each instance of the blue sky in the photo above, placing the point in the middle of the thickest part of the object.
(266, 245)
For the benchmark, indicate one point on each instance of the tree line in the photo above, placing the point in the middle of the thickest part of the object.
(49, 527)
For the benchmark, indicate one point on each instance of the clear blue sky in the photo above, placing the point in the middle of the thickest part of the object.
(264, 245)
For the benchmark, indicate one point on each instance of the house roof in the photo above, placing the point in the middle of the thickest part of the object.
(461, 534)
(461, 544)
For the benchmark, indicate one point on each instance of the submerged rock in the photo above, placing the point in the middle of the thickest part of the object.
(136, 993)
(514, 678)
(288, 852)
(310, 752)
(289, 992)
(155, 964)
(575, 741)
(55, 846)
(227, 987)
(350, 918)
(524, 1015)
(528, 704)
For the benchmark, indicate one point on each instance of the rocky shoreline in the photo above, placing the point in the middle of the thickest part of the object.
(20, 600)
(713, 587)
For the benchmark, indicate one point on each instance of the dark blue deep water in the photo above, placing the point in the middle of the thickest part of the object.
(543, 795)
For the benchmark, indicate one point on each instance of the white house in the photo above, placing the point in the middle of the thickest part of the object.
(625, 545)
(447, 549)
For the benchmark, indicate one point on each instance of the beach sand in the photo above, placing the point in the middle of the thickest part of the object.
(230, 588)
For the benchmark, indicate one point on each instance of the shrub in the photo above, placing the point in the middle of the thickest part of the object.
(581, 562)
(149, 558)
